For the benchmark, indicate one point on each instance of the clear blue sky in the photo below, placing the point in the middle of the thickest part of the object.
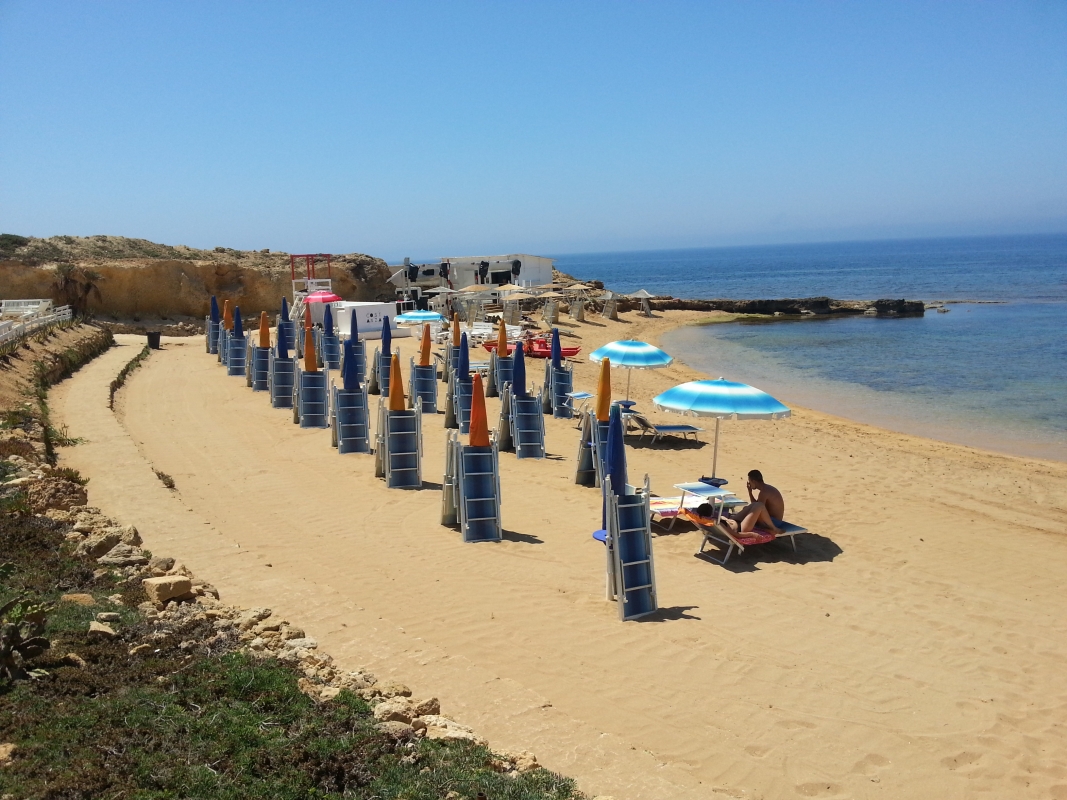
(424, 129)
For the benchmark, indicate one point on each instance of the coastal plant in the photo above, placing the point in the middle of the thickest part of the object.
(165, 479)
(22, 622)
(67, 474)
(124, 373)
(74, 286)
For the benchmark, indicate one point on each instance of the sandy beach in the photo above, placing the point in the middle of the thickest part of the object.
(912, 648)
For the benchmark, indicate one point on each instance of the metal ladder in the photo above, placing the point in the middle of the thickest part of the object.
(236, 347)
(478, 482)
(398, 457)
(310, 403)
(211, 334)
(259, 370)
(280, 378)
(527, 426)
(423, 387)
(630, 539)
(350, 421)
(328, 349)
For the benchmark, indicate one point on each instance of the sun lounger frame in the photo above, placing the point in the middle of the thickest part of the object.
(311, 399)
(472, 477)
(398, 447)
(328, 349)
(211, 335)
(656, 431)
(592, 444)
(630, 543)
(423, 387)
(359, 353)
(350, 420)
(237, 347)
(280, 379)
(258, 368)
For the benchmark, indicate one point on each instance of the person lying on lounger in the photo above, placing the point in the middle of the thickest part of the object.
(765, 510)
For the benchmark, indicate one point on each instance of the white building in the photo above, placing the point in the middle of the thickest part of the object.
(459, 272)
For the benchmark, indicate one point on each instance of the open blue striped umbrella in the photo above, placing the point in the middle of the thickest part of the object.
(721, 399)
(409, 317)
(327, 320)
(631, 354)
(518, 372)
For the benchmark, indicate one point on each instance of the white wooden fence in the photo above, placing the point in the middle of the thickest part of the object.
(17, 329)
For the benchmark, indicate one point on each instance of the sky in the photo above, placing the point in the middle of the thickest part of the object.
(427, 129)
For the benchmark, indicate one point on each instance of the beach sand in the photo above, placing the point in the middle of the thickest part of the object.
(914, 647)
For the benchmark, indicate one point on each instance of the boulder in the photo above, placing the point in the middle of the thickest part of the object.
(55, 493)
(160, 563)
(80, 599)
(391, 689)
(438, 727)
(167, 587)
(6, 753)
(99, 543)
(329, 692)
(101, 631)
(398, 730)
(249, 618)
(123, 555)
(108, 616)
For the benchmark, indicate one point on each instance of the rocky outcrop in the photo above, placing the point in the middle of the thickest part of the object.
(144, 279)
(793, 307)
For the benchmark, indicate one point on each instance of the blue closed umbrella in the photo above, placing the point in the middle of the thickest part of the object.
(630, 355)
(238, 328)
(349, 375)
(387, 337)
(353, 328)
(615, 458)
(282, 345)
(285, 310)
(214, 309)
(557, 353)
(518, 372)
(327, 320)
(721, 399)
(463, 369)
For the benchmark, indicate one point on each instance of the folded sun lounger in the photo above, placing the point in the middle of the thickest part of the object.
(644, 425)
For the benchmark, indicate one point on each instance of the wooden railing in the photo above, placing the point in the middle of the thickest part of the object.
(14, 331)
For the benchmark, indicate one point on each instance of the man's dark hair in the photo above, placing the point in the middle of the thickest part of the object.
(755, 475)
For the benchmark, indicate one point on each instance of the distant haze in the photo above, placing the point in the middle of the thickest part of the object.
(463, 128)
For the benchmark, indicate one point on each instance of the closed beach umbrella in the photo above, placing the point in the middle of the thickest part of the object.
(603, 391)
(455, 329)
(283, 344)
(238, 327)
(518, 373)
(349, 374)
(479, 430)
(353, 326)
(463, 369)
(614, 459)
(307, 317)
(264, 329)
(396, 385)
(501, 339)
(409, 317)
(311, 364)
(557, 353)
(424, 350)
(285, 310)
(227, 315)
(214, 309)
(721, 399)
(631, 354)
(327, 320)
(387, 337)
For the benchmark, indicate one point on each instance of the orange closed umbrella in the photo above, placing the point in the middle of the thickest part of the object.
(396, 385)
(603, 391)
(307, 316)
(264, 329)
(227, 315)
(455, 329)
(424, 350)
(479, 432)
(502, 340)
(311, 364)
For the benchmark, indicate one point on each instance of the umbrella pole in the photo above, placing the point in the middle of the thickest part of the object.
(628, 382)
(715, 450)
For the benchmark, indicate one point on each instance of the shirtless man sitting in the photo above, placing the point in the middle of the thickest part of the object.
(765, 510)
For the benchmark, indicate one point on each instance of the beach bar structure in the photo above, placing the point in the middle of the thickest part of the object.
(414, 281)
(470, 493)
(398, 446)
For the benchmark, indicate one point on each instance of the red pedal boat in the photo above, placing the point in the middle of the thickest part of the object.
(542, 349)
(491, 346)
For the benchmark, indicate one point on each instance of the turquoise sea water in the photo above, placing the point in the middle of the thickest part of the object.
(991, 375)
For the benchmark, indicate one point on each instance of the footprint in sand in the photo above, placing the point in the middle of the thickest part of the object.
(793, 724)
(960, 760)
(819, 789)
(870, 764)
(757, 751)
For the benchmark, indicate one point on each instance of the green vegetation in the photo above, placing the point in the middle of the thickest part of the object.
(124, 373)
(178, 722)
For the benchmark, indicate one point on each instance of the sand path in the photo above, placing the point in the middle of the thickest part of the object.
(912, 648)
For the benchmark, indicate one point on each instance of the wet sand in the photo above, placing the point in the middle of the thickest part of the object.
(913, 647)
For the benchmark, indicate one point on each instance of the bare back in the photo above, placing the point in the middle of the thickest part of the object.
(772, 499)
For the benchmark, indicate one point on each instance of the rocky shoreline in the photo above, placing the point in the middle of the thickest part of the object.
(793, 307)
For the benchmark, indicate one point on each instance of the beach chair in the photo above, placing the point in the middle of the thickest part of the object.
(423, 387)
(236, 347)
(378, 381)
(328, 349)
(501, 368)
(359, 353)
(558, 386)
(258, 368)
(458, 403)
(350, 420)
(714, 531)
(471, 490)
(310, 399)
(630, 550)
(398, 450)
(223, 346)
(646, 426)
(591, 445)
(280, 380)
(211, 333)
(521, 426)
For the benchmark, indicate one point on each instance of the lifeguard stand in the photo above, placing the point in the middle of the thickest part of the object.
(302, 287)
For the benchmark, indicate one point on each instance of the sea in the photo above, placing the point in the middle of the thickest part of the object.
(990, 373)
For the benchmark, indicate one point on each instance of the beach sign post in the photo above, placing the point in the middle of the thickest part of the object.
(259, 357)
(237, 344)
(424, 376)
(211, 330)
(398, 451)
(471, 485)
(281, 377)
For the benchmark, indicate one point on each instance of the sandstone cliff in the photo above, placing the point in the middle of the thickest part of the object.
(138, 278)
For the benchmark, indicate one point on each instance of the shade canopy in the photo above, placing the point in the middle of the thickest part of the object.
(515, 297)
(508, 287)
(214, 309)
(479, 287)
(550, 295)
(632, 355)
(720, 398)
(414, 317)
(322, 296)
(641, 294)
